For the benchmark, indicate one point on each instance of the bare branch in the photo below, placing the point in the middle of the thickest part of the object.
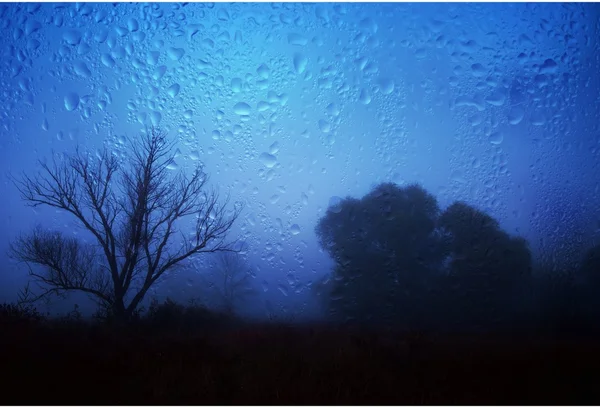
(135, 219)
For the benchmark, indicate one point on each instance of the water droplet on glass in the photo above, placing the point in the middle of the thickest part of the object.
(173, 90)
(242, 108)
(496, 98)
(81, 69)
(71, 101)
(549, 67)
(268, 160)
(72, 37)
(297, 39)
(515, 115)
(478, 70)
(107, 60)
(283, 289)
(335, 204)
(175, 53)
(496, 138)
(263, 71)
(386, 86)
(133, 25)
(364, 97)
(172, 165)
(274, 148)
(324, 126)
(538, 119)
(295, 229)
(300, 62)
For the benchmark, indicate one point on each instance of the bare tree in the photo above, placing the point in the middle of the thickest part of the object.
(232, 280)
(134, 210)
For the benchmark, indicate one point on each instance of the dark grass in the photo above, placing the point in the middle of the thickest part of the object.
(77, 363)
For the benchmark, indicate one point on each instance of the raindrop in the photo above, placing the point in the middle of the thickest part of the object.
(549, 67)
(155, 118)
(107, 60)
(538, 119)
(236, 85)
(364, 97)
(478, 70)
(172, 165)
(173, 90)
(223, 14)
(175, 53)
(274, 148)
(282, 289)
(324, 126)
(71, 101)
(496, 98)
(152, 57)
(32, 26)
(297, 39)
(263, 71)
(333, 109)
(300, 62)
(304, 199)
(159, 72)
(101, 35)
(81, 69)
(72, 37)
(515, 115)
(295, 229)
(133, 25)
(386, 85)
(476, 119)
(368, 25)
(335, 204)
(496, 138)
(242, 108)
(268, 160)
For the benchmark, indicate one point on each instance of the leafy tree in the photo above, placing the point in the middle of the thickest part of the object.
(487, 267)
(386, 250)
(134, 210)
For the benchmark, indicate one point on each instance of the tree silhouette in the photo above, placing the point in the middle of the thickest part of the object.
(386, 251)
(133, 219)
(231, 280)
(590, 266)
(487, 266)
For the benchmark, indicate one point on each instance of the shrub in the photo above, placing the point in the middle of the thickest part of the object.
(16, 313)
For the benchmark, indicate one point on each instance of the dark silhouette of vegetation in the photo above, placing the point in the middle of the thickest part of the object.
(386, 249)
(402, 262)
(231, 281)
(488, 270)
(408, 280)
(134, 210)
(158, 360)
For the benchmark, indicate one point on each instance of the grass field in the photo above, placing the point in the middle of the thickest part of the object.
(75, 363)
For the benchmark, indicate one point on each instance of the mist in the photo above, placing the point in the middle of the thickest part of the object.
(326, 124)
